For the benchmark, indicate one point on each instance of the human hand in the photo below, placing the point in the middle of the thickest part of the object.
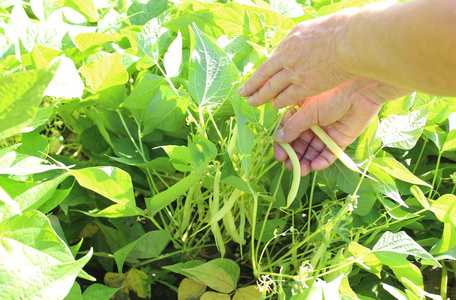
(343, 112)
(304, 64)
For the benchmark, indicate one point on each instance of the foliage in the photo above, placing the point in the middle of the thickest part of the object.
(129, 165)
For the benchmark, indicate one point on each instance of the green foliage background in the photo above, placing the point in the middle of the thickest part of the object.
(128, 163)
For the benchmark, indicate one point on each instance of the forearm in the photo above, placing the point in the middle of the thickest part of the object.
(411, 45)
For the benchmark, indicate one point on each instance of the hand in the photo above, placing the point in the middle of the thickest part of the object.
(304, 64)
(343, 112)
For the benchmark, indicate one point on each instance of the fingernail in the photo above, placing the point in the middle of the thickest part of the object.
(250, 100)
(241, 90)
(278, 135)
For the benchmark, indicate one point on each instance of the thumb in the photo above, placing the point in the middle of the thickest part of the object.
(305, 117)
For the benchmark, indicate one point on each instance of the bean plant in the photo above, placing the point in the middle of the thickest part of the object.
(130, 167)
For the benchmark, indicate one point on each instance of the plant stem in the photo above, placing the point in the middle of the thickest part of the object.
(436, 172)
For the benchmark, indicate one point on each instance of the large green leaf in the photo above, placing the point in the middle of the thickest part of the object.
(234, 18)
(212, 74)
(66, 83)
(141, 11)
(220, 274)
(392, 248)
(105, 72)
(112, 183)
(15, 163)
(20, 95)
(397, 170)
(36, 263)
(368, 142)
(149, 245)
(445, 208)
(29, 195)
(155, 105)
(403, 131)
(84, 7)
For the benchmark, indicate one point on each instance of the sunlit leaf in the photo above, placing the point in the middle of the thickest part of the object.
(104, 73)
(391, 245)
(445, 208)
(35, 261)
(21, 93)
(397, 170)
(212, 73)
(403, 131)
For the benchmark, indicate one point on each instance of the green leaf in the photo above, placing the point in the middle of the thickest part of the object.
(448, 240)
(141, 11)
(385, 184)
(219, 274)
(287, 8)
(212, 73)
(112, 183)
(272, 229)
(397, 170)
(210, 295)
(403, 131)
(89, 40)
(245, 136)
(397, 293)
(368, 258)
(149, 43)
(190, 289)
(445, 208)
(98, 291)
(450, 142)
(66, 83)
(173, 57)
(155, 105)
(231, 177)
(40, 118)
(14, 163)
(180, 157)
(84, 7)
(33, 144)
(234, 18)
(21, 93)
(29, 195)
(180, 268)
(202, 150)
(394, 245)
(369, 142)
(75, 292)
(139, 100)
(149, 245)
(247, 292)
(419, 195)
(409, 273)
(36, 263)
(104, 73)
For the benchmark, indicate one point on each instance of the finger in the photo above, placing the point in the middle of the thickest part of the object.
(324, 160)
(299, 122)
(289, 96)
(274, 86)
(265, 71)
(279, 153)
